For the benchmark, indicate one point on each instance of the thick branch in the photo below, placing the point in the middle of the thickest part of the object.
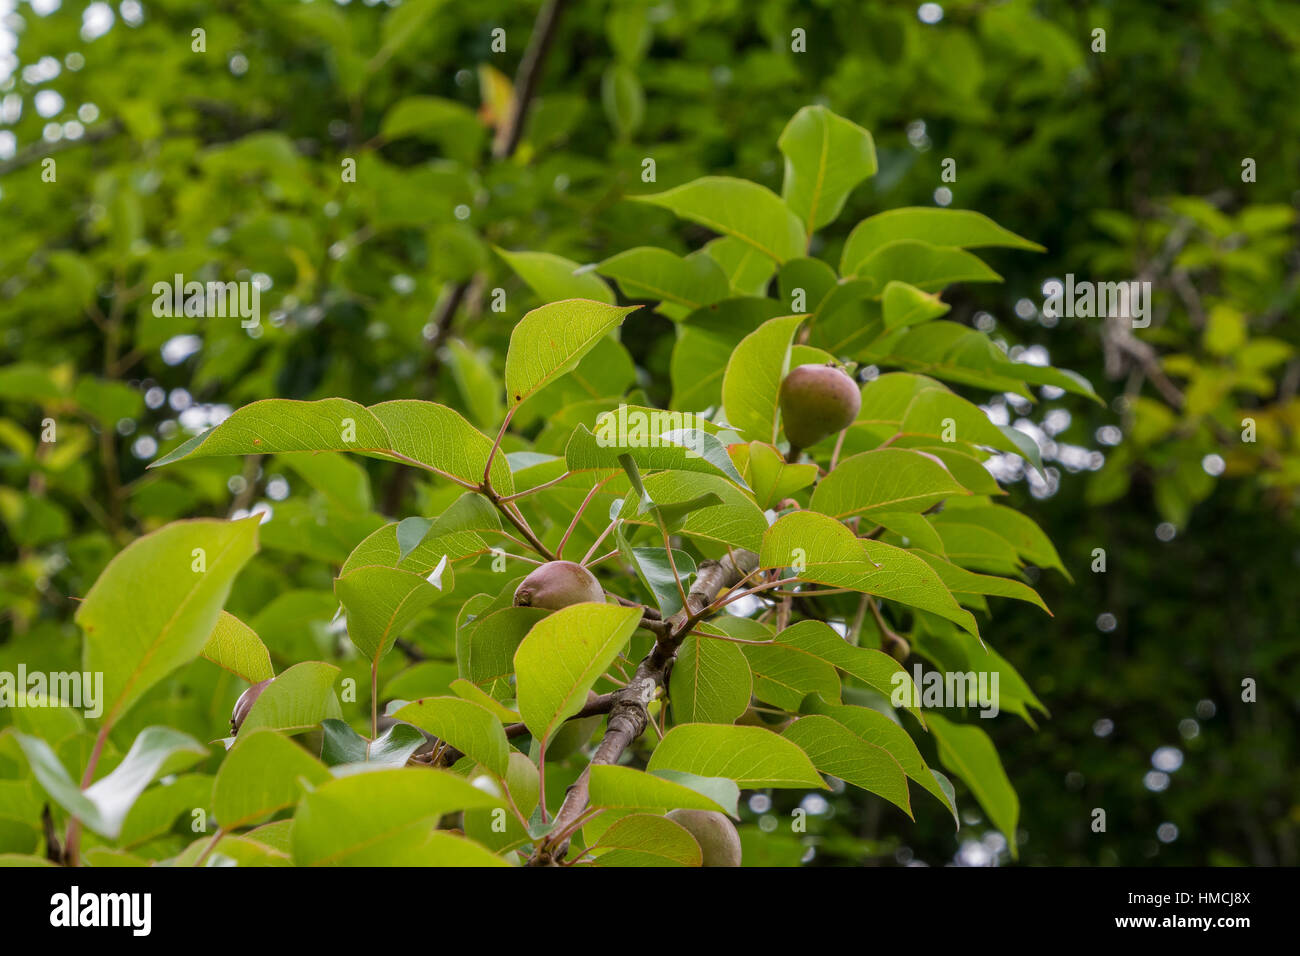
(628, 717)
(530, 71)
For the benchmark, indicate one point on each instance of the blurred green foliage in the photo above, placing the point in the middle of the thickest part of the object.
(228, 164)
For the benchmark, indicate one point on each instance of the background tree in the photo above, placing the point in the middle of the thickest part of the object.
(227, 164)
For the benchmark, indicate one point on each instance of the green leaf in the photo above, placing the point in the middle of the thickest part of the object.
(752, 383)
(640, 839)
(705, 340)
(961, 582)
(814, 277)
(884, 480)
(918, 410)
(485, 649)
(155, 811)
(826, 156)
(751, 756)
(710, 682)
(770, 476)
(550, 340)
(623, 99)
(906, 305)
(388, 818)
(951, 351)
(840, 752)
(967, 752)
(103, 806)
(561, 658)
(299, 699)
(681, 285)
(342, 745)
(655, 572)
(959, 228)
(978, 548)
(914, 529)
(451, 125)
(553, 277)
(467, 726)
(877, 729)
(231, 850)
(137, 639)
(684, 449)
(423, 434)
(748, 270)
(380, 602)
(873, 667)
(263, 772)
(928, 268)
(234, 646)
(467, 691)
(744, 210)
(1028, 539)
(826, 552)
(618, 787)
(456, 534)
(785, 675)
(477, 383)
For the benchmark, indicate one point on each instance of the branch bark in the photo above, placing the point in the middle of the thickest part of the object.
(628, 715)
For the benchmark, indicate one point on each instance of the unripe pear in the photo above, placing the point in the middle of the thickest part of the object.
(816, 401)
(714, 833)
(558, 584)
(245, 704)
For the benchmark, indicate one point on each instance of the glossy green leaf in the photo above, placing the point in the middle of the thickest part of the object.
(873, 667)
(234, 646)
(553, 277)
(928, 268)
(467, 726)
(680, 284)
(103, 805)
(751, 756)
(263, 772)
(550, 341)
(619, 787)
(838, 751)
(752, 383)
(824, 551)
(380, 602)
(388, 818)
(342, 746)
(710, 682)
(877, 729)
(958, 228)
(967, 752)
(738, 208)
(136, 638)
(300, 698)
(423, 434)
(826, 156)
(906, 305)
(884, 480)
(640, 839)
(562, 657)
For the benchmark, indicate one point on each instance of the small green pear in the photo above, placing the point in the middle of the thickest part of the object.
(817, 401)
(558, 584)
(714, 833)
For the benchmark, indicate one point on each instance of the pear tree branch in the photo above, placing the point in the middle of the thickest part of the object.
(628, 713)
